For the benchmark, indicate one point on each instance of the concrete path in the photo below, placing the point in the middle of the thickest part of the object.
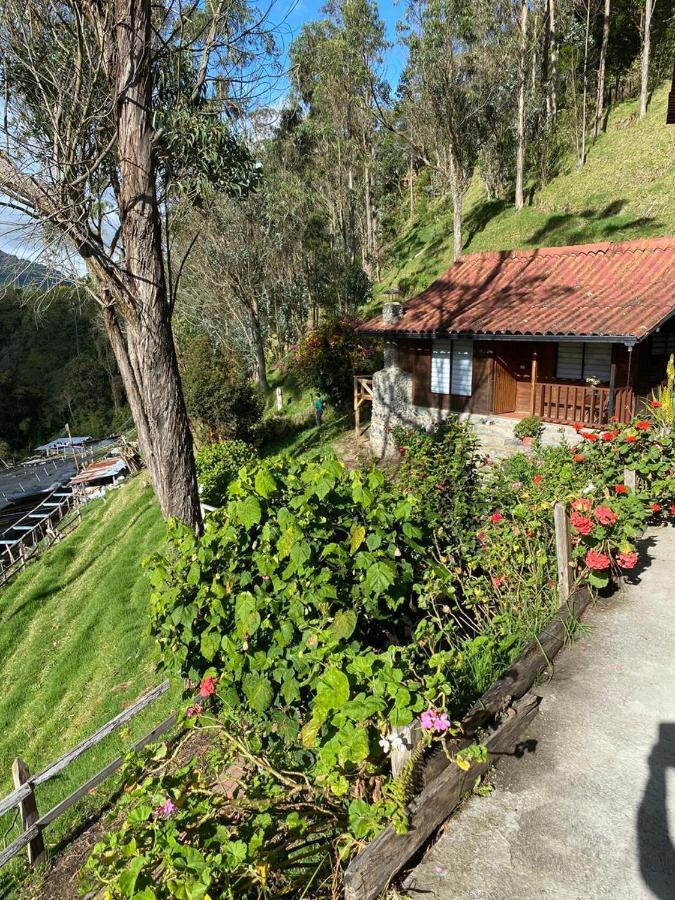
(589, 810)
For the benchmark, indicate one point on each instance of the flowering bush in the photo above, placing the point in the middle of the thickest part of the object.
(439, 469)
(327, 359)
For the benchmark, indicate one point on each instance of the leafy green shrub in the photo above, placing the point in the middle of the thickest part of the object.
(439, 468)
(218, 465)
(530, 426)
(327, 359)
(219, 393)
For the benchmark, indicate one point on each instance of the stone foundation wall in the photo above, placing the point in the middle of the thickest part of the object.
(392, 406)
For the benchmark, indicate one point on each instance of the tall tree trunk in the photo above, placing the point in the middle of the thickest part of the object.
(644, 65)
(552, 94)
(259, 353)
(370, 228)
(457, 197)
(520, 128)
(584, 95)
(149, 368)
(600, 95)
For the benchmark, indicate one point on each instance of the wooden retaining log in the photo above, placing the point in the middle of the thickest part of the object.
(384, 857)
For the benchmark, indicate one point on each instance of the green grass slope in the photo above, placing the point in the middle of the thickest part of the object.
(75, 648)
(626, 190)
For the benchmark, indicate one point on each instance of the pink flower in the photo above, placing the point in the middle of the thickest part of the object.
(605, 515)
(207, 686)
(428, 718)
(627, 560)
(433, 720)
(496, 517)
(497, 581)
(166, 809)
(582, 504)
(195, 710)
(595, 560)
(582, 524)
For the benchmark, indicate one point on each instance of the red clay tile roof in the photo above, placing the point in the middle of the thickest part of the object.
(622, 290)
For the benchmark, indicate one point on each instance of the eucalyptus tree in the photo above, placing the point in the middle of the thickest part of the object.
(110, 110)
(443, 96)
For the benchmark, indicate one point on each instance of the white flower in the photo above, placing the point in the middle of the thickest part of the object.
(397, 743)
(385, 744)
(589, 489)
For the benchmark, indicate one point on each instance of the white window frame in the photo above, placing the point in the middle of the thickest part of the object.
(452, 367)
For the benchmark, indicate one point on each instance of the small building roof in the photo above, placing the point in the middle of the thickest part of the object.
(620, 291)
(59, 443)
(104, 468)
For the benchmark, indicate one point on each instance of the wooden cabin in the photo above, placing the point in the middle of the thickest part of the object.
(571, 334)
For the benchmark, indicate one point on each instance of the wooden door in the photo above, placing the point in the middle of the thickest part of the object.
(505, 389)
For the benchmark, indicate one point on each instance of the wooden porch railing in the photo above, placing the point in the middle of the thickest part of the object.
(363, 393)
(569, 403)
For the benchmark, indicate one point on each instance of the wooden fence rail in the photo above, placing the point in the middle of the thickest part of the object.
(24, 796)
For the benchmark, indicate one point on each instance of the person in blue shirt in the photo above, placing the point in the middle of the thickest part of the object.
(319, 406)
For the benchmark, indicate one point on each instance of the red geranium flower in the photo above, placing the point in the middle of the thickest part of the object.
(595, 560)
(613, 418)
(537, 479)
(496, 517)
(581, 504)
(620, 489)
(672, 509)
(591, 436)
(642, 425)
(609, 435)
(605, 515)
(627, 560)
(207, 686)
(583, 524)
(655, 404)
(656, 507)
(578, 457)
(577, 426)
(631, 438)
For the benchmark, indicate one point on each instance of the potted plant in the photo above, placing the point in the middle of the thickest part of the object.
(528, 429)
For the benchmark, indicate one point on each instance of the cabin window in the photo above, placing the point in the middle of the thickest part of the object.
(452, 367)
(578, 360)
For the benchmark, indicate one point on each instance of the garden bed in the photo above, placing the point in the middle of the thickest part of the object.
(507, 709)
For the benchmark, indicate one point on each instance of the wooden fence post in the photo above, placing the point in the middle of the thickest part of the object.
(533, 387)
(280, 399)
(357, 407)
(29, 812)
(563, 550)
(630, 478)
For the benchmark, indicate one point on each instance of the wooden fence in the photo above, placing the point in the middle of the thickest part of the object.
(446, 784)
(24, 797)
(45, 524)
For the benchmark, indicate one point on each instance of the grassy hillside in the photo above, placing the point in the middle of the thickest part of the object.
(75, 648)
(626, 190)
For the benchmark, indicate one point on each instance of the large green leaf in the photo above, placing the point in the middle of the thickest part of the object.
(249, 512)
(246, 615)
(265, 485)
(332, 689)
(343, 625)
(258, 691)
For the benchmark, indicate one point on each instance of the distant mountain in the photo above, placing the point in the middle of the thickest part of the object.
(24, 273)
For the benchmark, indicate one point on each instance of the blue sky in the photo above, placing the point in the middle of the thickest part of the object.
(294, 14)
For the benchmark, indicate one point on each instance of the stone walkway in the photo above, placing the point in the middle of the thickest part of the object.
(589, 810)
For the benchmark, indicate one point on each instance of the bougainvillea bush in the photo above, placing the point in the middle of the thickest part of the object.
(328, 357)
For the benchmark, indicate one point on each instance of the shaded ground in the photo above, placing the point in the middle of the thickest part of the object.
(591, 812)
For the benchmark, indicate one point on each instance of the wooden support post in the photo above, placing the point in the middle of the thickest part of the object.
(630, 478)
(280, 399)
(533, 377)
(357, 405)
(612, 390)
(563, 550)
(29, 812)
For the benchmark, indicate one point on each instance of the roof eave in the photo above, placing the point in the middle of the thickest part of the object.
(628, 339)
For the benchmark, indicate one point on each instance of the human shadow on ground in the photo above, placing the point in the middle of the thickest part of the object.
(655, 847)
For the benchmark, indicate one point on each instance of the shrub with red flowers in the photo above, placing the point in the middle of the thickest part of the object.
(328, 357)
